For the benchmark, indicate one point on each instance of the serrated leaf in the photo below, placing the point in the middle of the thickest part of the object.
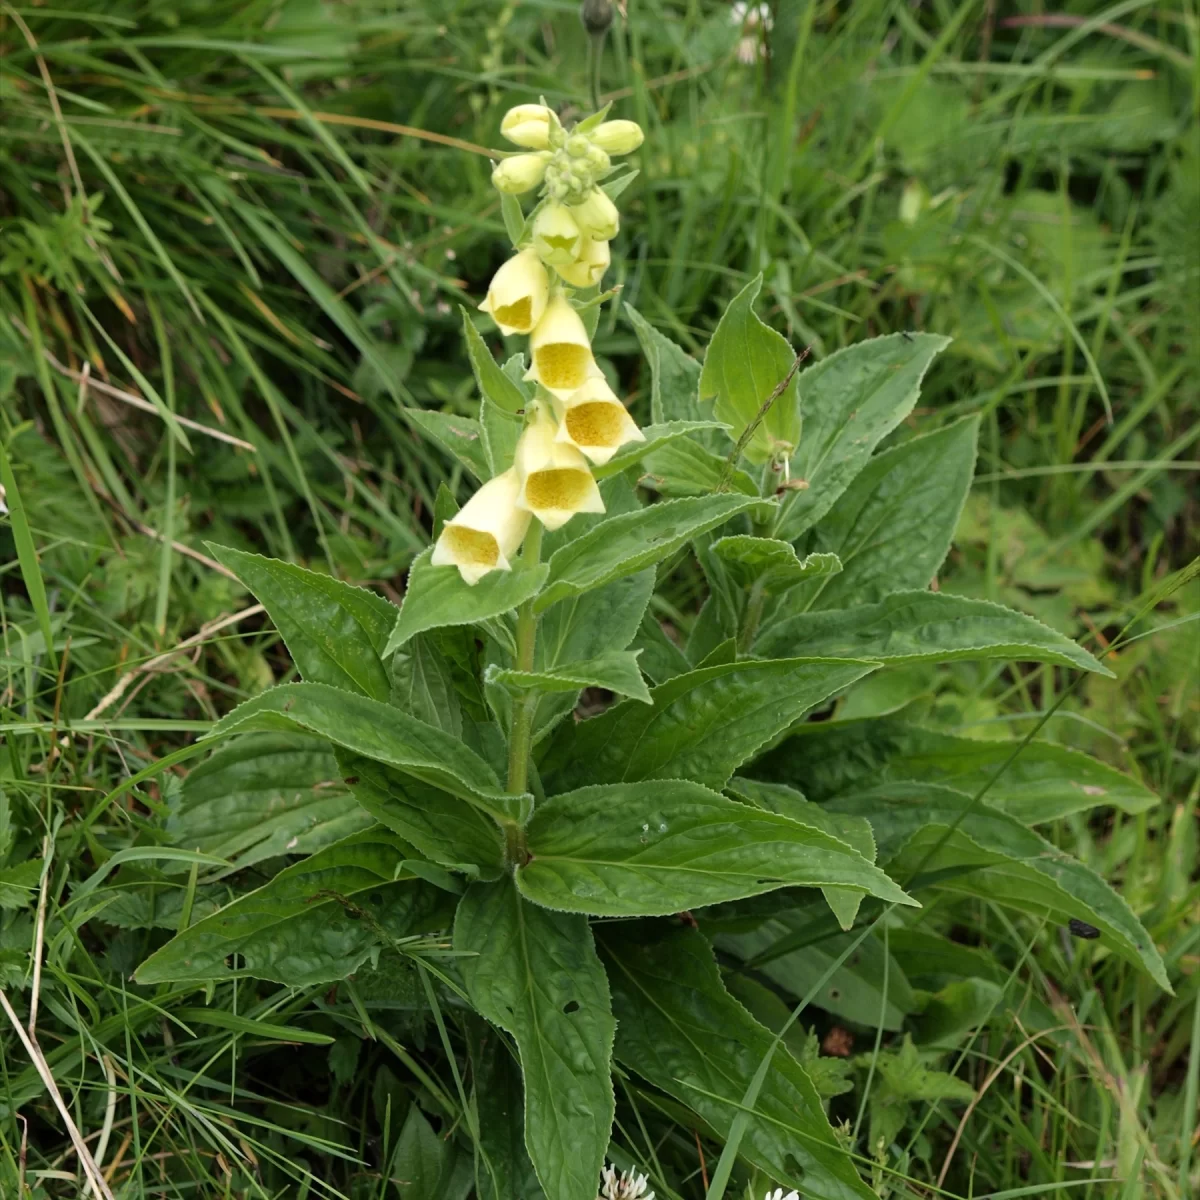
(445, 829)
(296, 929)
(263, 795)
(679, 1029)
(674, 374)
(437, 596)
(1043, 782)
(335, 632)
(848, 403)
(423, 684)
(656, 437)
(458, 436)
(892, 527)
(19, 883)
(745, 361)
(616, 671)
(626, 544)
(686, 468)
(748, 559)
(376, 731)
(493, 383)
(535, 973)
(925, 627)
(650, 849)
(703, 725)
(661, 658)
(936, 834)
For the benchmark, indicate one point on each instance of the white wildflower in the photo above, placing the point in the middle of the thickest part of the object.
(627, 1186)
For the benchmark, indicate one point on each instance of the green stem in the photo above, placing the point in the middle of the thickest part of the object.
(753, 617)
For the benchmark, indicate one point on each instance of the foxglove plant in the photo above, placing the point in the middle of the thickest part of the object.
(567, 879)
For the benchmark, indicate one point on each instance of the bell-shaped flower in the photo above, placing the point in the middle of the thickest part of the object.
(555, 480)
(528, 125)
(518, 293)
(561, 351)
(556, 236)
(520, 173)
(617, 137)
(588, 269)
(597, 216)
(594, 421)
(485, 534)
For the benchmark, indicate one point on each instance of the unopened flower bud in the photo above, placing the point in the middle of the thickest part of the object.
(588, 269)
(561, 351)
(486, 533)
(594, 421)
(518, 293)
(597, 160)
(556, 482)
(518, 174)
(528, 125)
(577, 145)
(556, 236)
(618, 137)
(597, 216)
(596, 15)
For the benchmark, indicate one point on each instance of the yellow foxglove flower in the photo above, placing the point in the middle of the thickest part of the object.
(597, 216)
(595, 421)
(521, 173)
(555, 480)
(528, 125)
(589, 267)
(617, 137)
(518, 293)
(556, 236)
(485, 534)
(562, 353)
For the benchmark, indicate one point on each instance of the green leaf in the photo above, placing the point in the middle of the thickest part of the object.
(1043, 783)
(893, 525)
(423, 685)
(651, 849)
(686, 468)
(437, 596)
(263, 795)
(459, 436)
(616, 671)
(421, 1159)
(377, 731)
(445, 829)
(657, 436)
(306, 926)
(661, 658)
(535, 973)
(335, 632)
(925, 627)
(703, 725)
(674, 374)
(993, 856)
(626, 544)
(501, 432)
(905, 1080)
(514, 218)
(849, 402)
(745, 361)
(748, 559)
(493, 383)
(679, 1029)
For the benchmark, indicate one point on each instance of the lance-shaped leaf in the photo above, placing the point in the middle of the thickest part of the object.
(1043, 782)
(938, 838)
(437, 596)
(335, 633)
(674, 374)
(496, 387)
(461, 437)
(849, 402)
(679, 1029)
(316, 921)
(925, 627)
(703, 725)
(687, 468)
(745, 362)
(423, 684)
(628, 543)
(657, 436)
(535, 973)
(750, 559)
(376, 731)
(617, 671)
(650, 849)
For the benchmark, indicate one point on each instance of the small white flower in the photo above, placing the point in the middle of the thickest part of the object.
(627, 1186)
(755, 21)
(777, 1194)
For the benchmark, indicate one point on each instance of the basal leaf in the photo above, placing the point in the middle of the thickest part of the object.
(458, 436)
(437, 596)
(650, 849)
(745, 361)
(674, 374)
(925, 627)
(679, 1029)
(626, 544)
(535, 973)
(493, 383)
(306, 925)
(615, 671)
(703, 725)
(849, 402)
(657, 436)
(335, 633)
(749, 559)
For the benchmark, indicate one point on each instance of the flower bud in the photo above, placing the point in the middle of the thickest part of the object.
(486, 533)
(618, 137)
(588, 269)
(556, 482)
(562, 354)
(577, 145)
(597, 216)
(556, 236)
(518, 293)
(598, 162)
(596, 15)
(595, 421)
(518, 174)
(528, 125)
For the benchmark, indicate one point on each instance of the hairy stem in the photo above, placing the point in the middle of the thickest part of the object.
(753, 617)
